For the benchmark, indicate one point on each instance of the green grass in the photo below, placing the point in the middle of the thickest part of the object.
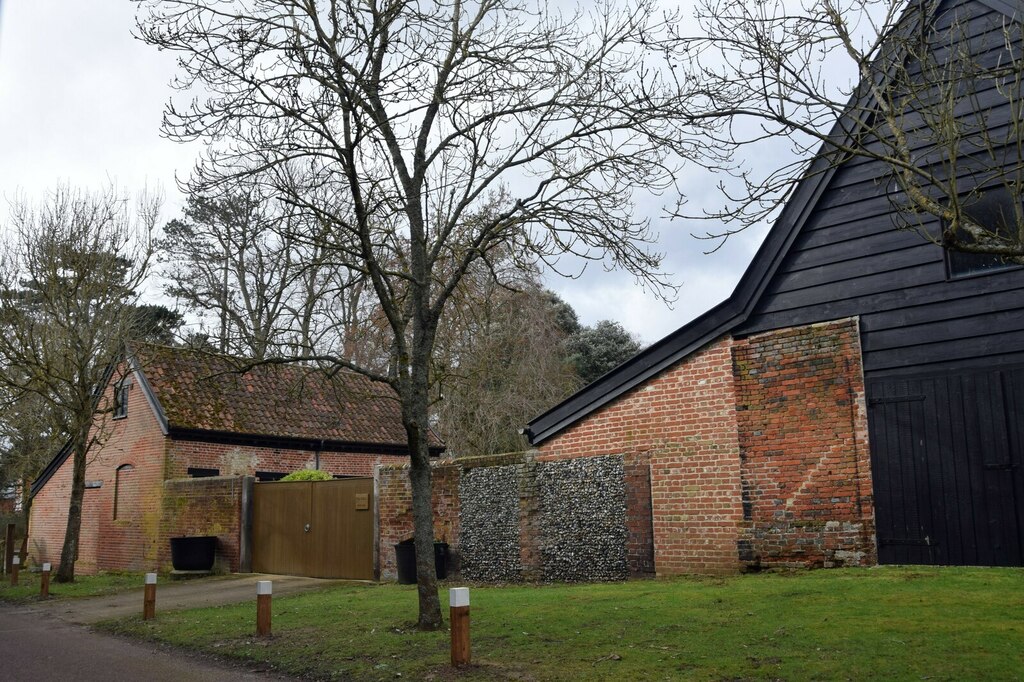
(857, 624)
(84, 586)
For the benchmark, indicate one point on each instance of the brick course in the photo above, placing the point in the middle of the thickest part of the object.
(394, 505)
(137, 539)
(203, 507)
(758, 453)
(684, 422)
(803, 436)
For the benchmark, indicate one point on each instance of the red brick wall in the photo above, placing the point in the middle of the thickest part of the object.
(803, 437)
(201, 507)
(639, 522)
(130, 541)
(684, 421)
(394, 503)
(235, 460)
(134, 540)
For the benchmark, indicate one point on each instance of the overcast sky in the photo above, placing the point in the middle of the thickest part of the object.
(81, 103)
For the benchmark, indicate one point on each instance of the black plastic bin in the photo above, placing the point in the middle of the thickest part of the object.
(193, 553)
(405, 558)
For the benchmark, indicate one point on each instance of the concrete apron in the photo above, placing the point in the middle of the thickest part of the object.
(174, 596)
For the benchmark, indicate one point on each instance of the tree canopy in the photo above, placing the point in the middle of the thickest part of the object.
(425, 138)
(71, 268)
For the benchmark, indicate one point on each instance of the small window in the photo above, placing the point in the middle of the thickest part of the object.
(994, 209)
(198, 472)
(270, 475)
(121, 477)
(121, 389)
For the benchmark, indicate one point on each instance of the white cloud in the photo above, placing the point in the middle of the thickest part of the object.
(81, 101)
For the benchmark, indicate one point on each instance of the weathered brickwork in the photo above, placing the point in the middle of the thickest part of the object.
(203, 507)
(239, 460)
(394, 509)
(131, 466)
(684, 422)
(639, 528)
(803, 437)
(128, 469)
(758, 454)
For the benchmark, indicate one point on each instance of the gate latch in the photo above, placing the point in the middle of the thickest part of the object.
(306, 527)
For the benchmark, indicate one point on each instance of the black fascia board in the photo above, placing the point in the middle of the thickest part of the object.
(147, 392)
(293, 443)
(51, 468)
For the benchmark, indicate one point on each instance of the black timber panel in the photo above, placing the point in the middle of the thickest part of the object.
(946, 464)
(849, 259)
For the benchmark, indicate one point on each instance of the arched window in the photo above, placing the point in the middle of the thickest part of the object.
(120, 480)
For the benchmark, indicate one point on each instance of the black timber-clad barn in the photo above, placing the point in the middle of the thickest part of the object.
(942, 339)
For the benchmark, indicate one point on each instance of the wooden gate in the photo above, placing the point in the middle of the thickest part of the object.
(322, 529)
(946, 456)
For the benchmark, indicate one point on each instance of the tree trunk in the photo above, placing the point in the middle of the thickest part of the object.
(415, 414)
(69, 553)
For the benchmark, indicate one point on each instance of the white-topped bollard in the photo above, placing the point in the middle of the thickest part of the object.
(149, 598)
(15, 565)
(44, 582)
(458, 602)
(264, 590)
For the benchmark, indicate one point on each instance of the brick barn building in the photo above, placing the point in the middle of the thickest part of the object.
(181, 414)
(858, 399)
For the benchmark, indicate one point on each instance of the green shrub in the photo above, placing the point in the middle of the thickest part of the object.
(308, 475)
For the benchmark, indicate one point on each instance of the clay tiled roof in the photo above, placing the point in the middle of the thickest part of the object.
(200, 391)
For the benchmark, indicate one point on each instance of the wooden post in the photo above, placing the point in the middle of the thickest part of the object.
(44, 583)
(15, 564)
(149, 598)
(264, 588)
(9, 548)
(458, 601)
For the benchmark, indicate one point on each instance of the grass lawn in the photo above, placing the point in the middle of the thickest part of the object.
(84, 586)
(859, 624)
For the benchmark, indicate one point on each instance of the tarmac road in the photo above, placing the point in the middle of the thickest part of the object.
(47, 640)
(36, 647)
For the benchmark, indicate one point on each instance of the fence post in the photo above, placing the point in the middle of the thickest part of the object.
(44, 583)
(458, 601)
(149, 598)
(15, 563)
(264, 588)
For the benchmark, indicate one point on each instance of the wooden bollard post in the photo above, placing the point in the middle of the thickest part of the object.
(458, 601)
(264, 588)
(149, 598)
(15, 564)
(44, 583)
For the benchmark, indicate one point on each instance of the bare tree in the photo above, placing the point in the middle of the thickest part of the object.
(70, 270)
(27, 439)
(259, 270)
(934, 98)
(428, 135)
(501, 360)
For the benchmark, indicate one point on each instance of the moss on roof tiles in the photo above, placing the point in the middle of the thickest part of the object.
(204, 391)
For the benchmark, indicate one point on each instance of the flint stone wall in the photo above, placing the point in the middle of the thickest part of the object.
(583, 519)
(489, 524)
(514, 518)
